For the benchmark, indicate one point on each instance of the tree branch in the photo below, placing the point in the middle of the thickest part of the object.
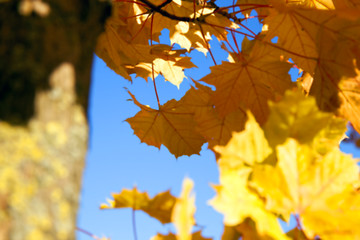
(158, 9)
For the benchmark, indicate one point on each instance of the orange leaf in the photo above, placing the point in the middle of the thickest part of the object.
(171, 125)
(250, 82)
(159, 207)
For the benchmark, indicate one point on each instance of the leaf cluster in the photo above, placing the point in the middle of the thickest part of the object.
(284, 160)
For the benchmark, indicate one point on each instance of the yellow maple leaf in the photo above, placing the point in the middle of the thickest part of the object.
(237, 202)
(171, 71)
(289, 118)
(183, 211)
(159, 207)
(303, 183)
(247, 147)
(167, 62)
(195, 236)
(171, 125)
(234, 198)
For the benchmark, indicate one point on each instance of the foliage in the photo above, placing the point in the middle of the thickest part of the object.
(276, 141)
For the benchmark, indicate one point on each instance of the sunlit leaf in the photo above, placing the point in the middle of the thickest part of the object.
(237, 202)
(247, 147)
(183, 212)
(290, 118)
(251, 82)
(304, 182)
(171, 236)
(171, 126)
(159, 207)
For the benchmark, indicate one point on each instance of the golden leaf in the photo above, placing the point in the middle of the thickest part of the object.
(247, 147)
(237, 202)
(260, 6)
(184, 210)
(159, 207)
(171, 236)
(250, 82)
(290, 118)
(304, 183)
(215, 129)
(171, 125)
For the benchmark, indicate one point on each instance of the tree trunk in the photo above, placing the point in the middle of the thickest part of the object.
(46, 51)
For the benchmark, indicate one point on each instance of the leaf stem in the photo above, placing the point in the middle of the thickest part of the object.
(298, 222)
(134, 224)
(88, 233)
(153, 78)
(207, 44)
(152, 64)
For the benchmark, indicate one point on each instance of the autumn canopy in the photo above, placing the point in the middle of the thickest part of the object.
(276, 140)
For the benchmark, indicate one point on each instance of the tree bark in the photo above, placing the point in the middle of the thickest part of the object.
(46, 52)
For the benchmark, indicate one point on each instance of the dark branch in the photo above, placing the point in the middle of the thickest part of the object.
(164, 3)
(158, 9)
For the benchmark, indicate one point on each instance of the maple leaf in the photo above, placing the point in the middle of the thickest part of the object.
(184, 210)
(119, 54)
(132, 19)
(251, 81)
(167, 62)
(247, 147)
(289, 118)
(337, 89)
(325, 44)
(318, 4)
(237, 202)
(171, 236)
(347, 4)
(172, 126)
(260, 6)
(230, 233)
(299, 31)
(192, 25)
(246, 230)
(217, 130)
(303, 183)
(297, 233)
(296, 35)
(234, 198)
(159, 207)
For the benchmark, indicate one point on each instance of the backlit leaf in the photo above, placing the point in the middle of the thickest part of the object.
(215, 129)
(171, 126)
(183, 212)
(237, 203)
(247, 147)
(159, 207)
(171, 236)
(304, 182)
(250, 82)
(290, 118)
